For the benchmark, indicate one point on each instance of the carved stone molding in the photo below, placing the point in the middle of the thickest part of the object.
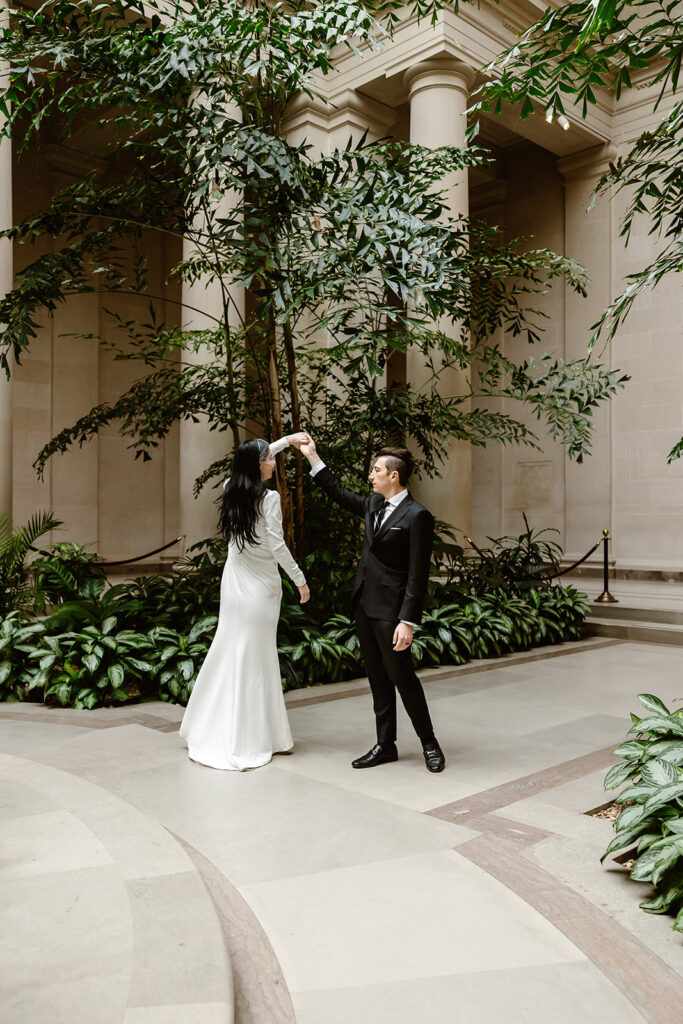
(588, 163)
(439, 73)
(345, 106)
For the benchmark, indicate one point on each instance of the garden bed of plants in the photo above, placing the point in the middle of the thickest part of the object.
(70, 638)
(649, 825)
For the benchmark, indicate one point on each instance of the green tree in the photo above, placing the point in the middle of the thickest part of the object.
(581, 47)
(356, 248)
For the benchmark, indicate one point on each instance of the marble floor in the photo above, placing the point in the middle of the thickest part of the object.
(139, 887)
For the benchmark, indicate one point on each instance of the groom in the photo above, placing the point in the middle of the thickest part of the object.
(388, 594)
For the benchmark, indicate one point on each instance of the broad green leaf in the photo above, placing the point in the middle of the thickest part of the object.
(653, 704)
(116, 674)
(665, 795)
(91, 661)
(631, 816)
(659, 772)
(658, 725)
(619, 773)
(631, 749)
(186, 668)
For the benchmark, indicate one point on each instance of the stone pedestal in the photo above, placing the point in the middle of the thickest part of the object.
(438, 94)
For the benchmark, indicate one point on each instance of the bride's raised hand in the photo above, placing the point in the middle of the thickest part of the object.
(296, 440)
(304, 594)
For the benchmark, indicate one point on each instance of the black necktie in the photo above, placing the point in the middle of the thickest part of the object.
(380, 514)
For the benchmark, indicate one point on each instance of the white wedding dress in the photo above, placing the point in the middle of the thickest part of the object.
(236, 717)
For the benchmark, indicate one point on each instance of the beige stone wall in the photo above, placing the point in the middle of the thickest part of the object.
(648, 417)
(626, 484)
(510, 481)
(105, 498)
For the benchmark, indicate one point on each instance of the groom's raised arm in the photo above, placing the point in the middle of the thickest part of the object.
(355, 503)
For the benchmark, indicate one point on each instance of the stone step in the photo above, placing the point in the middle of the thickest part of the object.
(126, 918)
(636, 613)
(641, 630)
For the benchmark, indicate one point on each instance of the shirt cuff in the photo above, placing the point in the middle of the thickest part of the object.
(318, 466)
(413, 624)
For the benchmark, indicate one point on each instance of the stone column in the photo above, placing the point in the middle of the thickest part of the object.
(199, 445)
(487, 203)
(6, 282)
(438, 91)
(588, 239)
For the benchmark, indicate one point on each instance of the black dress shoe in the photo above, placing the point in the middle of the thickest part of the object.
(434, 758)
(378, 755)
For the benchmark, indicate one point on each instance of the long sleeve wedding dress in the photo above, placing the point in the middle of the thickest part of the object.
(236, 717)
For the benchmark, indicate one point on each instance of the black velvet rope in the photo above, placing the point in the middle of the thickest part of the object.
(127, 561)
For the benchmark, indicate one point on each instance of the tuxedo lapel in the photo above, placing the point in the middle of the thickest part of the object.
(395, 516)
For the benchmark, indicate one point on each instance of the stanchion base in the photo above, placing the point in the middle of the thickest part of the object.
(606, 598)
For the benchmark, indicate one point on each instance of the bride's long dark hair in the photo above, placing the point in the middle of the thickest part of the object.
(242, 496)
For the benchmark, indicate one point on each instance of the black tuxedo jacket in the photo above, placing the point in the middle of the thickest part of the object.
(394, 565)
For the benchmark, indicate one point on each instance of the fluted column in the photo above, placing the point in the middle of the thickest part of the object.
(6, 281)
(588, 239)
(438, 94)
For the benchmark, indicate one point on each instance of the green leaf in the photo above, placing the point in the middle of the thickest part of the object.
(658, 772)
(186, 668)
(142, 666)
(658, 725)
(626, 837)
(662, 902)
(631, 749)
(665, 795)
(619, 773)
(653, 704)
(644, 866)
(116, 674)
(92, 662)
(668, 750)
(631, 816)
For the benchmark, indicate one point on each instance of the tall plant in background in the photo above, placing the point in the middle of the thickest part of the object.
(17, 590)
(346, 258)
(571, 53)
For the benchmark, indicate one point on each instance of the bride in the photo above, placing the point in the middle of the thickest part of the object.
(236, 717)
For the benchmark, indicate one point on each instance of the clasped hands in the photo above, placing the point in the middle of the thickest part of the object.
(303, 442)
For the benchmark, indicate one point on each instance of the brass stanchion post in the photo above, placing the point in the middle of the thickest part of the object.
(606, 597)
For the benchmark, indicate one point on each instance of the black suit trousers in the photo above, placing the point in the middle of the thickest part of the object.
(389, 670)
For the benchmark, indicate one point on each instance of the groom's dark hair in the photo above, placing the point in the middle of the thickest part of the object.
(398, 460)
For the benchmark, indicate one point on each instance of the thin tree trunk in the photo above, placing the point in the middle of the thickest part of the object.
(369, 449)
(299, 536)
(396, 362)
(278, 428)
